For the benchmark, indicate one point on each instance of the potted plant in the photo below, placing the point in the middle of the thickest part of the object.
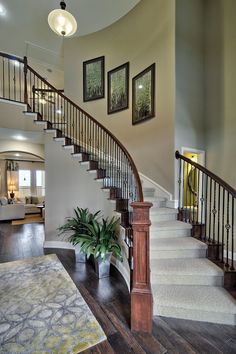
(101, 240)
(76, 225)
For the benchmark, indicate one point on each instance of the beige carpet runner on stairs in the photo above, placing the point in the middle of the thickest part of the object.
(185, 284)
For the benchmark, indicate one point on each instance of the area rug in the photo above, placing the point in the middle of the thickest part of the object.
(42, 311)
(29, 219)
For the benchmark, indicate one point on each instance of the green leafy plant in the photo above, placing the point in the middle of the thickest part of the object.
(76, 225)
(100, 238)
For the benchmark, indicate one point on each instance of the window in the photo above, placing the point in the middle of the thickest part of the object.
(24, 183)
(40, 183)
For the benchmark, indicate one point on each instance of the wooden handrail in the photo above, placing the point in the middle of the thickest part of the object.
(210, 174)
(132, 164)
(11, 57)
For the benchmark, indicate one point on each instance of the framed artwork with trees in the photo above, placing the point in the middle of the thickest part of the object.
(118, 89)
(143, 94)
(93, 79)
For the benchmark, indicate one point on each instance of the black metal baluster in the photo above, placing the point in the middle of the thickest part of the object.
(227, 226)
(20, 68)
(214, 211)
(206, 207)
(186, 191)
(9, 78)
(210, 211)
(198, 195)
(3, 77)
(179, 182)
(202, 198)
(223, 226)
(14, 81)
(232, 235)
(218, 216)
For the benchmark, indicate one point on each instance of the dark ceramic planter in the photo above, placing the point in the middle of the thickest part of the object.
(102, 268)
(80, 257)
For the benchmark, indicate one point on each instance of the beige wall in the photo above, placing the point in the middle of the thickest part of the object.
(68, 185)
(190, 101)
(144, 36)
(221, 88)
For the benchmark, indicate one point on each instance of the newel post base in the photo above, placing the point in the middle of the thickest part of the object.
(141, 293)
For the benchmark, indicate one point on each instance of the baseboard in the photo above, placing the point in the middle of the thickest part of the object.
(58, 244)
(123, 271)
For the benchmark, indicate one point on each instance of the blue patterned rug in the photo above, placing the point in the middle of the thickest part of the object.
(42, 311)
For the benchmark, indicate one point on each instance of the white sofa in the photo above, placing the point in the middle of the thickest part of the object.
(12, 211)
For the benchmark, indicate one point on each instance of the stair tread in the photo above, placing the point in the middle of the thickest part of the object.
(177, 243)
(170, 225)
(183, 266)
(194, 297)
(163, 211)
(154, 199)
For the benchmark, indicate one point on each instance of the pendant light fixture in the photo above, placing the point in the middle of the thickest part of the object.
(62, 22)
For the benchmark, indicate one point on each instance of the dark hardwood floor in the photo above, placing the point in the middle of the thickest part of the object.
(110, 302)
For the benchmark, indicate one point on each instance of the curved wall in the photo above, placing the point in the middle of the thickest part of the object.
(144, 36)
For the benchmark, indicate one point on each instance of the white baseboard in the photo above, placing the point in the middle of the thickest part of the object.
(58, 244)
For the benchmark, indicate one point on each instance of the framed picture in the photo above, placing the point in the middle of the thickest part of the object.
(93, 79)
(118, 89)
(143, 92)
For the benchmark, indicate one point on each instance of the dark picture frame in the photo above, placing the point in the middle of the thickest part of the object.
(143, 95)
(118, 89)
(93, 79)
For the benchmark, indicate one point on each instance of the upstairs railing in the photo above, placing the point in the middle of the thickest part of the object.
(21, 83)
(114, 165)
(207, 202)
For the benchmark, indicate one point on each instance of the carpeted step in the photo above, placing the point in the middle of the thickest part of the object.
(170, 229)
(199, 271)
(198, 303)
(181, 247)
(158, 202)
(163, 214)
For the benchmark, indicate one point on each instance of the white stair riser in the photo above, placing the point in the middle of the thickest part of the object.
(184, 253)
(195, 315)
(158, 233)
(163, 217)
(210, 280)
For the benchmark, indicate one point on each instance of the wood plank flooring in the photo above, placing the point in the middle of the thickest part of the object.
(109, 300)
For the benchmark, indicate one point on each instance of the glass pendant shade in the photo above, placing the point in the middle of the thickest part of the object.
(62, 22)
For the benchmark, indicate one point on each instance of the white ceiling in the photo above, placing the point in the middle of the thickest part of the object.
(24, 27)
(22, 135)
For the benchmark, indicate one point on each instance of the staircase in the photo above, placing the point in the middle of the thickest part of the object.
(185, 284)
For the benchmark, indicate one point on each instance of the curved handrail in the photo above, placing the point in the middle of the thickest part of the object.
(210, 174)
(11, 57)
(134, 168)
(59, 93)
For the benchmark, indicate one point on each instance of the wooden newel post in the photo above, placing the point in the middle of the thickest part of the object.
(141, 293)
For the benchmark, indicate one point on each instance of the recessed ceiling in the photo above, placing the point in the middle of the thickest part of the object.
(18, 135)
(19, 156)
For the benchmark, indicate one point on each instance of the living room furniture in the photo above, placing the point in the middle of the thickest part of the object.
(12, 211)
